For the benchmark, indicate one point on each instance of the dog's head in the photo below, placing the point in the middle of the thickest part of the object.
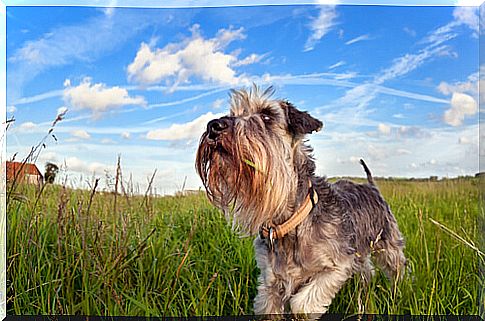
(249, 160)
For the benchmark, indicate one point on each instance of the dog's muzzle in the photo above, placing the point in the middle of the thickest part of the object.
(217, 127)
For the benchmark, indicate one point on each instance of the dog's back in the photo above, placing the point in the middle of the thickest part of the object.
(374, 224)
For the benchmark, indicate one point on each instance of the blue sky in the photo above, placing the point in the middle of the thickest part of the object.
(395, 85)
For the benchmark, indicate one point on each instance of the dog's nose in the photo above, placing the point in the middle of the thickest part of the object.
(217, 126)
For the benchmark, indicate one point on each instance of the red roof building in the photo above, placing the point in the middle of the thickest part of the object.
(24, 172)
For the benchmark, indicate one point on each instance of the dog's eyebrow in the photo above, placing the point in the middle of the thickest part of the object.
(270, 111)
(267, 111)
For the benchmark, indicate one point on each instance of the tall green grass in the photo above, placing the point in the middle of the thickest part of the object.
(77, 252)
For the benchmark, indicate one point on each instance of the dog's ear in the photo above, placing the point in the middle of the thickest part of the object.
(300, 122)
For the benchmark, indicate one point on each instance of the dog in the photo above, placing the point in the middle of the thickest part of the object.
(311, 235)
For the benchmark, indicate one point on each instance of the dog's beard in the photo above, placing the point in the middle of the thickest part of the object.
(248, 175)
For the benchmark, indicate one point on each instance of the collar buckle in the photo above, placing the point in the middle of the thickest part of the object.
(271, 238)
(273, 232)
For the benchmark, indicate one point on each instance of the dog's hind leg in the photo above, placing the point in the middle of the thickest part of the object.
(366, 273)
(389, 255)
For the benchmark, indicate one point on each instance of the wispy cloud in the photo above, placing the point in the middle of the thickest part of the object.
(337, 64)
(469, 17)
(189, 99)
(251, 59)
(352, 107)
(82, 42)
(409, 62)
(357, 39)
(410, 31)
(321, 25)
(39, 97)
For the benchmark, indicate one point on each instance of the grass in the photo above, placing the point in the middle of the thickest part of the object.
(81, 252)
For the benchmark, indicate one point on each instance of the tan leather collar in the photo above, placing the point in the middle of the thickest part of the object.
(275, 232)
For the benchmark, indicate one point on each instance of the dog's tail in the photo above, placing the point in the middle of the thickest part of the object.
(367, 172)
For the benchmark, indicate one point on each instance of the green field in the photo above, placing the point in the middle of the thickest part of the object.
(74, 252)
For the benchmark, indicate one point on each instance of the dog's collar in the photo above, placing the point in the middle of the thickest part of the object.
(274, 232)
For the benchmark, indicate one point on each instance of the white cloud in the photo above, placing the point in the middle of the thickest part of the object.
(320, 26)
(48, 157)
(186, 131)
(194, 57)
(354, 159)
(357, 39)
(61, 110)
(75, 164)
(447, 89)
(461, 105)
(126, 135)
(28, 126)
(11, 109)
(388, 156)
(107, 141)
(81, 133)
(384, 129)
(412, 132)
(109, 10)
(403, 151)
(98, 97)
(217, 104)
(470, 86)
(463, 140)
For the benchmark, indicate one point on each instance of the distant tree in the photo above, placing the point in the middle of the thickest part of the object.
(51, 171)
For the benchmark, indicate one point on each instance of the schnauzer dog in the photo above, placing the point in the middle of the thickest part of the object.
(312, 235)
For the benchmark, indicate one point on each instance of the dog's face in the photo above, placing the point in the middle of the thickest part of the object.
(247, 159)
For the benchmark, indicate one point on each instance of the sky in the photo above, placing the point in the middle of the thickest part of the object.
(397, 86)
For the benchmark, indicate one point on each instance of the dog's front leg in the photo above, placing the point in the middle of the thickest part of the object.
(315, 297)
(271, 292)
(268, 300)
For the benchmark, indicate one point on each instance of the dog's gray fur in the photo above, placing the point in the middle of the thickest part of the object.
(256, 167)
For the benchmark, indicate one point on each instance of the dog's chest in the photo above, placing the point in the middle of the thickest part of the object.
(294, 266)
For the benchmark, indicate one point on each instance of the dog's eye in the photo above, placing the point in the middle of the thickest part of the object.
(266, 115)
